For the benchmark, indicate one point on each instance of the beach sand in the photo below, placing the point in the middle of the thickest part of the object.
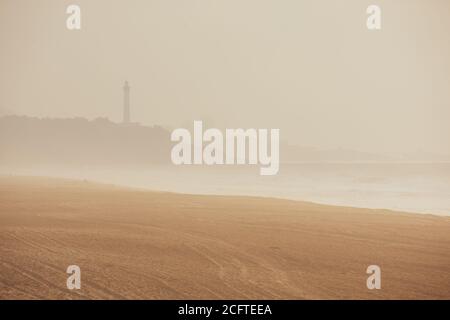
(137, 244)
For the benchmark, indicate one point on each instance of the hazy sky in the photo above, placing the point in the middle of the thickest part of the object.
(310, 68)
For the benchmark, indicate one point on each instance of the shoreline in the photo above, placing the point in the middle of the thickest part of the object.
(232, 195)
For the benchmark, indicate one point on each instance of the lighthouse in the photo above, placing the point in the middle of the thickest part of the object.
(126, 103)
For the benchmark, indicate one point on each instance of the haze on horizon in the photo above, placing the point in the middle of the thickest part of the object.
(310, 68)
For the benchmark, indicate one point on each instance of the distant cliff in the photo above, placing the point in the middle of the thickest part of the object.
(27, 140)
(78, 141)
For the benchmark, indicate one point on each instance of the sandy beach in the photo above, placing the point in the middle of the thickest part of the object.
(138, 244)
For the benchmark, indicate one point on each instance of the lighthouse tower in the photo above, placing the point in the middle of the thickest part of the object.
(126, 103)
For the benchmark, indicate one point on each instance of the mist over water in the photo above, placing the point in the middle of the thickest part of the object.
(411, 187)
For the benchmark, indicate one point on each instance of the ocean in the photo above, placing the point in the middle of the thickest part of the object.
(410, 187)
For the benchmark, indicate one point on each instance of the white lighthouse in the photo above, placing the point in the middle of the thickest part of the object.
(126, 103)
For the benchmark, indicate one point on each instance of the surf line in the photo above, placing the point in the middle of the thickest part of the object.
(235, 151)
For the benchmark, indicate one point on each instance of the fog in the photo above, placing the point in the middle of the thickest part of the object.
(310, 68)
(363, 115)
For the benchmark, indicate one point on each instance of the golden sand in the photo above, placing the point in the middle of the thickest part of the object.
(134, 244)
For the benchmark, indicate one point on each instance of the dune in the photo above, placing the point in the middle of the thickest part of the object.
(138, 244)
